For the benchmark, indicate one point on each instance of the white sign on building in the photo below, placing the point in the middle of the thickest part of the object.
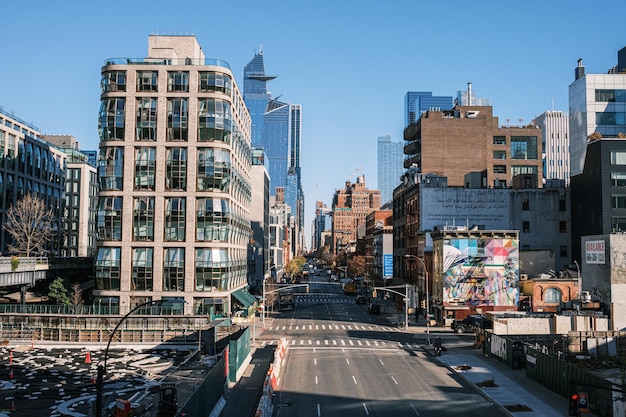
(595, 252)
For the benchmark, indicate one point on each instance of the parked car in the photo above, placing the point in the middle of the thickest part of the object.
(374, 308)
(471, 323)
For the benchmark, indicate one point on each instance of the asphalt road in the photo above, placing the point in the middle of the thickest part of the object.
(342, 361)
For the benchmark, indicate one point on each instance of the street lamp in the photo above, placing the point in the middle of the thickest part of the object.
(264, 300)
(427, 303)
(102, 367)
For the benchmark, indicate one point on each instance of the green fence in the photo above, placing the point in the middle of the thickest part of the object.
(206, 397)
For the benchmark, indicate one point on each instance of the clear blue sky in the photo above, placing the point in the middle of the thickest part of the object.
(349, 64)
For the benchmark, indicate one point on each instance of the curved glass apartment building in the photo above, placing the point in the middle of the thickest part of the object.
(173, 218)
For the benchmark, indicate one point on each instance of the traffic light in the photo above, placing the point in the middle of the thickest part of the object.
(573, 404)
(374, 294)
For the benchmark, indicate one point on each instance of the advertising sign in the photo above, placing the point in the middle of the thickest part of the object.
(594, 252)
(388, 265)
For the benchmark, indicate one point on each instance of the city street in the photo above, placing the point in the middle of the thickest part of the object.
(343, 361)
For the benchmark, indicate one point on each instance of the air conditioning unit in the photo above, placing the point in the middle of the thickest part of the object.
(585, 296)
(523, 277)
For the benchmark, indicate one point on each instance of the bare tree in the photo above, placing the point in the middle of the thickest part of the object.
(30, 225)
(77, 295)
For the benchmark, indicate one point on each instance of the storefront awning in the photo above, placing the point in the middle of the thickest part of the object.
(244, 297)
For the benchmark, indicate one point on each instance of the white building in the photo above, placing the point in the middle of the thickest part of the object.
(555, 144)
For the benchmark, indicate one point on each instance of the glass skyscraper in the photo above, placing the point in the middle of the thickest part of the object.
(417, 102)
(390, 166)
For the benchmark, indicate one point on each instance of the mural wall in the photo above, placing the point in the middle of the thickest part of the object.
(481, 272)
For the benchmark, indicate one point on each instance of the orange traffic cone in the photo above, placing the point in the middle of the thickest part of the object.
(11, 374)
(88, 357)
(93, 379)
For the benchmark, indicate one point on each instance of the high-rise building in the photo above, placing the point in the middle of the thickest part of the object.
(259, 257)
(598, 153)
(473, 142)
(390, 166)
(555, 144)
(81, 199)
(417, 102)
(174, 172)
(351, 205)
(30, 165)
(277, 130)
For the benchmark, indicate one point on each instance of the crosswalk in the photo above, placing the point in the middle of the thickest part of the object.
(333, 326)
(343, 344)
(322, 298)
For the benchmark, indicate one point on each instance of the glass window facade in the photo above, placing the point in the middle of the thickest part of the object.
(176, 169)
(524, 147)
(178, 81)
(145, 168)
(214, 81)
(212, 269)
(146, 123)
(113, 81)
(109, 219)
(142, 269)
(111, 119)
(611, 96)
(147, 80)
(212, 219)
(143, 218)
(213, 169)
(107, 268)
(177, 117)
(174, 269)
(214, 120)
(175, 219)
(111, 168)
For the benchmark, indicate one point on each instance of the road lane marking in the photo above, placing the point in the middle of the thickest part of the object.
(326, 342)
(348, 361)
(354, 379)
(381, 362)
(366, 411)
(315, 379)
(394, 380)
(416, 413)
(319, 412)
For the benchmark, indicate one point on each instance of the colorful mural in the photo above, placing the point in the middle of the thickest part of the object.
(481, 272)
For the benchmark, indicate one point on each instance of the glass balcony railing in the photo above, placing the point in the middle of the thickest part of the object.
(167, 61)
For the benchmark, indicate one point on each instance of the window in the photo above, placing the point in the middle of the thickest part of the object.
(526, 226)
(176, 169)
(552, 295)
(178, 81)
(499, 140)
(147, 81)
(618, 158)
(142, 270)
(524, 147)
(111, 168)
(109, 218)
(174, 269)
(175, 219)
(562, 226)
(214, 120)
(107, 268)
(146, 119)
(111, 119)
(610, 118)
(618, 201)
(214, 81)
(177, 114)
(113, 81)
(525, 204)
(213, 169)
(499, 169)
(524, 170)
(611, 96)
(143, 218)
(145, 168)
(212, 219)
(562, 204)
(618, 179)
(211, 266)
(499, 154)
(618, 224)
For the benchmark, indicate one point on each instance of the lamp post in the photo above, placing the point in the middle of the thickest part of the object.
(427, 302)
(264, 294)
(102, 367)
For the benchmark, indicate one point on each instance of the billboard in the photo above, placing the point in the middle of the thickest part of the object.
(595, 252)
(388, 265)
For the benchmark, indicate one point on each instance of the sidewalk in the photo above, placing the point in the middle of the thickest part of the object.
(242, 400)
(510, 389)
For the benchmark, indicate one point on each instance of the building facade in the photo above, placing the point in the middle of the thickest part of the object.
(555, 144)
(259, 257)
(390, 166)
(174, 176)
(418, 102)
(81, 199)
(30, 165)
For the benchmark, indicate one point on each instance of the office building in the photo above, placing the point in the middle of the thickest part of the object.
(390, 166)
(555, 144)
(259, 259)
(30, 165)
(174, 173)
(81, 199)
(417, 102)
(598, 152)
